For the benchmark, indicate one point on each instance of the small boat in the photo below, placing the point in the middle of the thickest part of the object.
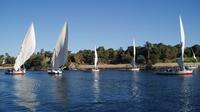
(191, 67)
(54, 71)
(175, 71)
(182, 70)
(134, 68)
(14, 72)
(95, 69)
(60, 52)
(27, 49)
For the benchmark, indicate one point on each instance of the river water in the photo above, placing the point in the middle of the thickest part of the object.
(106, 91)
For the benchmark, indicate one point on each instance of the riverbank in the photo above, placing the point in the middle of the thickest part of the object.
(5, 67)
(114, 66)
(162, 65)
(105, 66)
(127, 66)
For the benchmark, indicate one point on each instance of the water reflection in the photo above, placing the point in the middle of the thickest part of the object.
(60, 91)
(135, 88)
(25, 92)
(196, 71)
(96, 86)
(185, 94)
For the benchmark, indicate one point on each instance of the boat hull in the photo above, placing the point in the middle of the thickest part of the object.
(185, 72)
(95, 70)
(135, 69)
(192, 67)
(54, 71)
(13, 72)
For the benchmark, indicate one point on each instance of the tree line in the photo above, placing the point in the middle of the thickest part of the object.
(148, 54)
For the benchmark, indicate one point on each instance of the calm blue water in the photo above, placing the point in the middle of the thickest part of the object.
(110, 90)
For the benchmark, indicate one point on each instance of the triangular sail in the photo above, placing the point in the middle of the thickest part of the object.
(182, 38)
(194, 55)
(96, 58)
(3, 62)
(27, 48)
(181, 64)
(60, 53)
(134, 54)
(53, 59)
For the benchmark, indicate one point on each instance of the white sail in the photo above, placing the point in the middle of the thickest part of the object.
(182, 39)
(3, 62)
(96, 58)
(194, 55)
(182, 43)
(134, 54)
(60, 53)
(27, 48)
(195, 58)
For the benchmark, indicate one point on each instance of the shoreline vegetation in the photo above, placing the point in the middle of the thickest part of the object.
(127, 66)
(115, 66)
(148, 56)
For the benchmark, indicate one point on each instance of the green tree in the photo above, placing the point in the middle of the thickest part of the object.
(141, 59)
(1, 59)
(111, 55)
(103, 55)
(9, 59)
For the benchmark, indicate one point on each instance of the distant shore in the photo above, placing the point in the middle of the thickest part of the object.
(115, 66)
(128, 66)
(105, 66)
(161, 65)
(5, 67)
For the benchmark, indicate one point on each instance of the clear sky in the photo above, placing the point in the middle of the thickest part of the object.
(108, 23)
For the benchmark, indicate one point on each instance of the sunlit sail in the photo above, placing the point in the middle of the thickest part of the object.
(60, 52)
(182, 70)
(95, 60)
(27, 49)
(134, 68)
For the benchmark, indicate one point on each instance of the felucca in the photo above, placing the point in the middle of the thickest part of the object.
(95, 61)
(182, 70)
(60, 52)
(134, 68)
(27, 49)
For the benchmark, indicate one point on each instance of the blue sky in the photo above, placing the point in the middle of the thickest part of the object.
(108, 23)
